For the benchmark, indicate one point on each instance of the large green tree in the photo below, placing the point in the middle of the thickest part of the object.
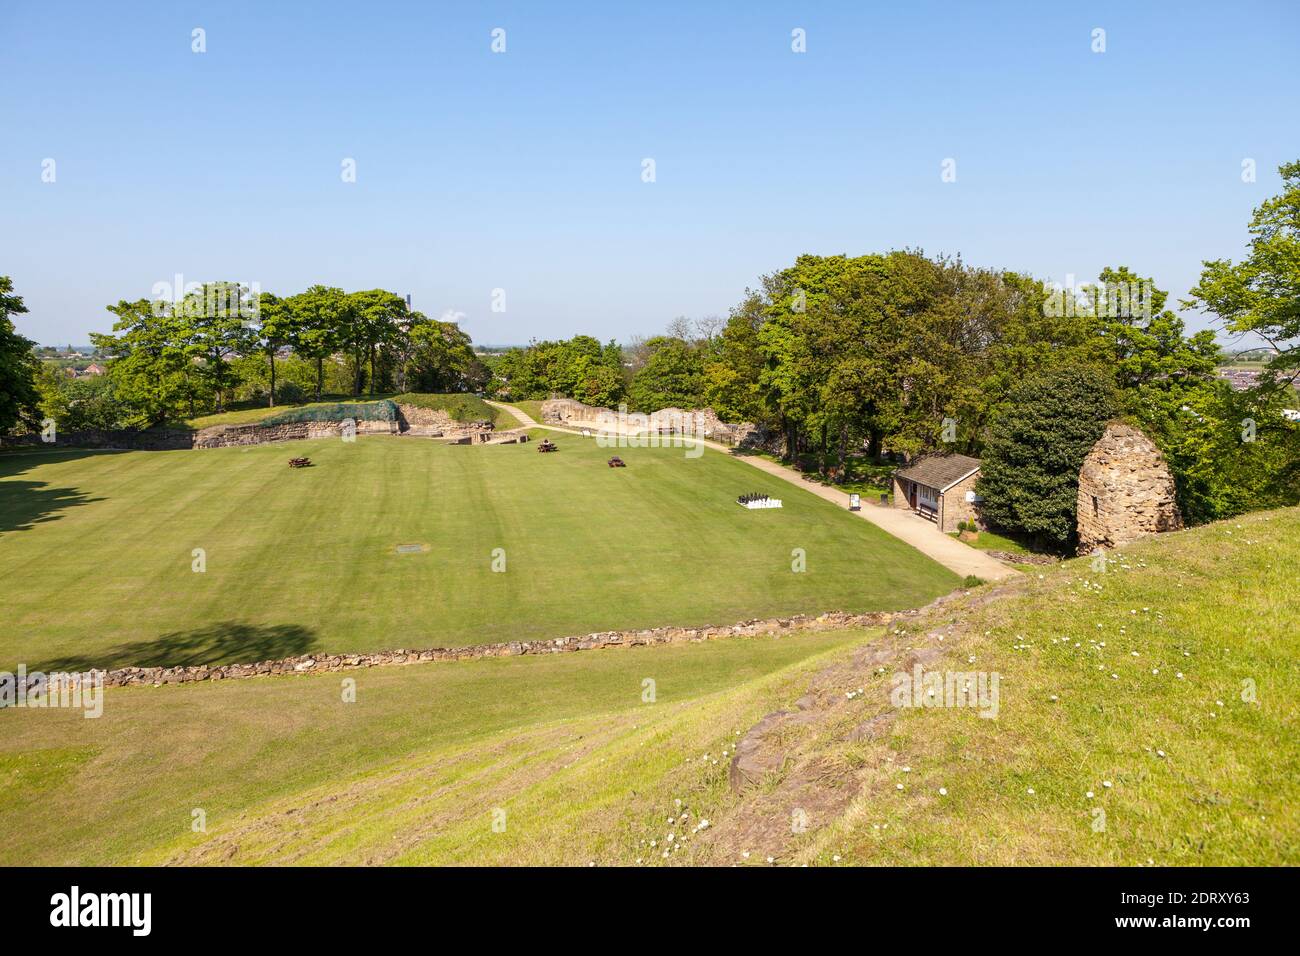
(371, 322)
(216, 328)
(319, 319)
(18, 364)
(153, 370)
(440, 358)
(1261, 293)
(672, 377)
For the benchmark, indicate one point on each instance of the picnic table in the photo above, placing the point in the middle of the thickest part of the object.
(617, 462)
(299, 462)
(547, 445)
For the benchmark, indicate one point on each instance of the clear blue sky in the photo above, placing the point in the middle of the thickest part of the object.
(522, 170)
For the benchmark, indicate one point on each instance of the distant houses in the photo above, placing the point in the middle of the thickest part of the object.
(90, 371)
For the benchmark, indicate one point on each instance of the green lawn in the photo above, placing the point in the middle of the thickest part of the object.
(989, 541)
(100, 545)
(1202, 766)
(1165, 687)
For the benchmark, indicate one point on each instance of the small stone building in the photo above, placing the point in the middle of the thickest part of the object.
(940, 488)
(1126, 491)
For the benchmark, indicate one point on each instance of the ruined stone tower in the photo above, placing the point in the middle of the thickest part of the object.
(1125, 490)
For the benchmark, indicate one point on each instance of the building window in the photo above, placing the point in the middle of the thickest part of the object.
(1096, 509)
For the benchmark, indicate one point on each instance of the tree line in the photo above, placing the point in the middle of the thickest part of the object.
(843, 357)
(220, 343)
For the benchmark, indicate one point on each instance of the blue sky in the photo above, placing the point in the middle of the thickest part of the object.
(522, 170)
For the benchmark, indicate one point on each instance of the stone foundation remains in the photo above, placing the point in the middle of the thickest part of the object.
(703, 421)
(317, 663)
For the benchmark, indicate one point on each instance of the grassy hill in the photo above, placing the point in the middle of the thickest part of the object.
(300, 560)
(1132, 676)
(416, 742)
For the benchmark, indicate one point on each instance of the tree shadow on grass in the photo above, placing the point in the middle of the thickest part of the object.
(225, 642)
(24, 503)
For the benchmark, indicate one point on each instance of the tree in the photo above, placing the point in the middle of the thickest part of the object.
(1149, 342)
(1029, 475)
(1261, 294)
(214, 329)
(153, 371)
(441, 358)
(371, 321)
(279, 326)
(18, 364)
(320, 314)
(580, 368)
(672, 377)
(78, 403)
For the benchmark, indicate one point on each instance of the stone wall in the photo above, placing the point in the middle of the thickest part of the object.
(214, 436)
(317, 663)
(704, 421)
(954, 508)
(426, 422)
(154, 439)
(225, 436)
(1125, 491)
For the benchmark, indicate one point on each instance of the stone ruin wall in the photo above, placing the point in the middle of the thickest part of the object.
(226, 436)
(412, 420)
(1126, 491)
(318, 663)
(574, 414)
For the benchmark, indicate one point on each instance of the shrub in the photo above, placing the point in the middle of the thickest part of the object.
(291, 393)
(1029, 475)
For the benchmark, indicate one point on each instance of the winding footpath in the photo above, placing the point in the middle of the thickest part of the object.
(909, 528)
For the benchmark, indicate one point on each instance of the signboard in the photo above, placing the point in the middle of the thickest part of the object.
(855, 502)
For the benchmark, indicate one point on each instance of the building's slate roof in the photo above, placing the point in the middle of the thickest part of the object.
(939, 471)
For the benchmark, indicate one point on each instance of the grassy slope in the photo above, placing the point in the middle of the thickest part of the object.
(1216, 605)
(121, 788)
(586, 780)
(302, 560)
